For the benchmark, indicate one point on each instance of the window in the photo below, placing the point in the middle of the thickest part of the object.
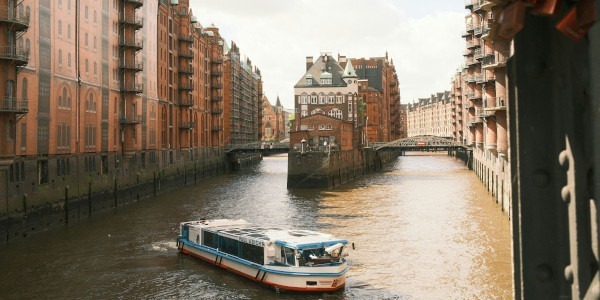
(210, 239)
(339, 99)
(303, 98)
(87, 66)
(288, 256)
(69, 60)
(322, 99)
(310, 127)
(42, 171)
(86, 40)
(255, 254)
(313, 98)
(309, 81)
(229, 246)
(59, 57)
(69, 32)
(59, 28)
(304, 113)
(330, 98)
(63, 167)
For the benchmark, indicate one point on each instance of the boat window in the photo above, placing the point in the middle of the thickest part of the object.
(288, 256)
(210, 239)
(229, 246)
(255, 254)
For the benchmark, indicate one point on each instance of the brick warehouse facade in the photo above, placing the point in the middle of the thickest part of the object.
(114, 94)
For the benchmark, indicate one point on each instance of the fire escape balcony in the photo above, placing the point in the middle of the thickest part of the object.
(486, 29)
(130, 119)
(493, 61)
(18, 22)
(186, 125)
(470, 78)
(132, 88)
(186, 53)
(186, 38)
(18, 56)
(186, 102)
(478, 30)
(132, 20)
(137, 3)
(187, 69)
(473, 44)
(185, 85)
(14, 105)
(130, 43)
(131, 65)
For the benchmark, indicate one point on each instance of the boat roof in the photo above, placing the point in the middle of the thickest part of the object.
(241, 229)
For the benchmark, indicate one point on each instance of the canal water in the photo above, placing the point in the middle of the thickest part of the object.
(424, 228)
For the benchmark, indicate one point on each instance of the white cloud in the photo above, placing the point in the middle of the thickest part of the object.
(277, 35)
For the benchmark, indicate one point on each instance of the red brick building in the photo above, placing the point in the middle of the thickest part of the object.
(319, 131)
(273, 120)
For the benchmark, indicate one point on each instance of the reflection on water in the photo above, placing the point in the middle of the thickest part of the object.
(424, 228)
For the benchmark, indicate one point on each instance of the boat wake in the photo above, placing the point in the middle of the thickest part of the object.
(163, 246)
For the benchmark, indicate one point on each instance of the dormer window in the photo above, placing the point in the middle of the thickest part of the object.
(325, 80)
(309, 79)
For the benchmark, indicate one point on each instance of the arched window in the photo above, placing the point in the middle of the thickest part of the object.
(27, 45)
(59, 28)
(304, 98)
(66, 102)
(95, 69)
(313, 98)
(59, 57)
(322, 99)
(69, 32)
(330, 98)
(69, 60)
(339, 98)
(87, 66)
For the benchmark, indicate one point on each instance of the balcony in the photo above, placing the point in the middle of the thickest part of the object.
(186, 53)
(186, 38)
(130, 43)
(471, 61)
(18, 56)
(475, 119)
(14, 105)
(186, 85)
(216, 61)
(133, 119)
(217, 86)
(217, 128)
(19, 22)
(478, 54)
(478, 30)
(131, 65)
(137, 3)
(216, 74)
(473, 44)
(470, 78)
(492, 61)
(133, 20)
(132, 88)
(187, 69)
(186, 101)
(216, 111)
(495, 104)
(186, 125)
(217, 99)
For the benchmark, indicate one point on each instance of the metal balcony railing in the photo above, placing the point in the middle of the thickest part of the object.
(186, 125)
(134, 20)
(132, 87)
(130, 42)
(217, 111)
(131, 65)
(216, 74)
(187, 53)
(186, 38)
(137, 3)
(16, 54)
(187, 69)
(19, 21)
(186, 101)
(185, 85)
(130, 119)
(14, 105)
(497, 59)
(217, 99)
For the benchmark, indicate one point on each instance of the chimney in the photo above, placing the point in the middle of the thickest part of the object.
(309, 62)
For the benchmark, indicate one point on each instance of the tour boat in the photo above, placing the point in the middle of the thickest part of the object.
(290, 260)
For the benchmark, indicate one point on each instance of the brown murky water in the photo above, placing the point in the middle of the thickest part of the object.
(424, 229)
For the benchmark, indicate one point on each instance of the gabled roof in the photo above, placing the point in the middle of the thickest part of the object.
(349, 71)
(324, 64)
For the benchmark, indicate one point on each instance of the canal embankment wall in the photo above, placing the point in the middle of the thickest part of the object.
(493, 169)
(78, 187)
(319, 169)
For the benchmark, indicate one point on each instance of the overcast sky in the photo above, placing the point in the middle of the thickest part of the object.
(423, 38)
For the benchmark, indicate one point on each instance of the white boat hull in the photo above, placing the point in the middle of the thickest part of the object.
(299, 279)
